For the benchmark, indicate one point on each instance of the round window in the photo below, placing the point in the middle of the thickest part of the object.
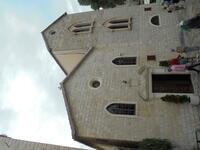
(52, 32)
(95, 84)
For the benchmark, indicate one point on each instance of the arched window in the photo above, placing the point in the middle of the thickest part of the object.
(81, 27)
(155, 20)
(121, 109)
(124, 61)
(118, 24)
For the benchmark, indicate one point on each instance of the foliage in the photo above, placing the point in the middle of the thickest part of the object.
(164, 63)
(85, 2)
(176, 98)
(96, 4)
(155, 144)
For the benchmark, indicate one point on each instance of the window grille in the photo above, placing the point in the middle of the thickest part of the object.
(121, 109)
(124, 61)
(172, 83)
(81, 27)
(118, 24)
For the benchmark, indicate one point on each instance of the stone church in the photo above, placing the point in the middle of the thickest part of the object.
(114, 84)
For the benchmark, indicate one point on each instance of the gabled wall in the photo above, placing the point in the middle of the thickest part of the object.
(154, 118)
(142, 29)
(142, 32)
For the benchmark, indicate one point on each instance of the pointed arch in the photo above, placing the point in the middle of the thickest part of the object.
(118, 24)
(125, 61)
(84, 27)
(121, 109)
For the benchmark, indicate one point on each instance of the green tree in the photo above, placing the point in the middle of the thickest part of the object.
(96, 4)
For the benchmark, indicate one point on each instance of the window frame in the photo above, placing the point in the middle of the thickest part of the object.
(107, 23)
(82, 25)
(122, 115)
(137, 61)
(170, 81)
(161, 72)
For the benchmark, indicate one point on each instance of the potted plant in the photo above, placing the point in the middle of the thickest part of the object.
(155, 144)
(164, 63)
(193, 99)
(176, 98)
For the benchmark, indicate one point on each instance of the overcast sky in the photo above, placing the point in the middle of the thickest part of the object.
(31, 104)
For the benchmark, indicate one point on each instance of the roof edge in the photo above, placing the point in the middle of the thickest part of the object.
(107, 142)
(58, 63)
(66, 99)
(90, 49)
(47, 44)
(67, 104)
(63, 15)
(50, 51)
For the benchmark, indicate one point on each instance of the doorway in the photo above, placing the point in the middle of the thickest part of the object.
(172, 83)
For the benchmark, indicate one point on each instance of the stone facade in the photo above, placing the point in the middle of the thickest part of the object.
(65, 43)
(95, 51)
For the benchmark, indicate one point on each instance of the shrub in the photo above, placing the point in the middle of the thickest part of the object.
(176, 98)
(164, 63)
(155, 144)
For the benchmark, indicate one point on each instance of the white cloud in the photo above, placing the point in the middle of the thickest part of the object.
(32, 121)
(31, 106)
(22, 92)
(30, 100)
(69, 6)
(74, 7)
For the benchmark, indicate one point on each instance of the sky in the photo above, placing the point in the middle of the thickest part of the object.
(31, 104)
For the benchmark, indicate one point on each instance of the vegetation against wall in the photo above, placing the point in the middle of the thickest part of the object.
(164, 63)
(155, 144)
(176, 98)
(96, 4)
